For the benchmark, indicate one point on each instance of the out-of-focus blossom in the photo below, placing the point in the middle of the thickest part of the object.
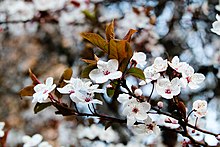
(81, 91)
(106, 70)
(149, 127)
(135, 110)
(31, 141)
(177, 65)
(20, 11)
(44, 5)
(42, 90)
(44, 144)
(216, 25)
(200, 107)
(139, 58)
(2, 133)
(159, 64)
(150, 75)
(190, 78)
(167, 89)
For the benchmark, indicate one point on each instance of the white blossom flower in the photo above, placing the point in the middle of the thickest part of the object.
(44, 5)
(167, 89)
(149, 127)
(124, 98)
(44, 144)
(42, 90)
(150, 75)
(177, 65)
(105, 71)
(31, 141)
(200, 107)
(190, 78)
(216, 25)
(20, 11)
(81, 91)
(2, 133)
(135, 110)
(159, 64)
(139, 58)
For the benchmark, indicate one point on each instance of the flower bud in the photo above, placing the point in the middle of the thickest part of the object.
(193, 131)
(218, 137)
(160, 104)
(138, 92)
(133, 88)
(109, 86)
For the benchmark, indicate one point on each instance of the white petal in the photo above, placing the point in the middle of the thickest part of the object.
(112, 65)
(66, 89)
(26, 138)
(37, 138)
(123, 98)
(2, 124)
(130, 120)
(217, 17)
(49, 81)
(183, 82)
(115, 75)
(97, 76)
(198, 78)
(39, 87)
(193, 85)
(2, 133)
(95, 101)
(102, 64)
(51, 88)
(141, 115)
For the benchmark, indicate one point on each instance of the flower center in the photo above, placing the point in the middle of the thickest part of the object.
(87, 99)
(188, 79)
(45, 91)
(135, 110)
(106, 72)
(71, 91)
(150, 126)
(168, 91)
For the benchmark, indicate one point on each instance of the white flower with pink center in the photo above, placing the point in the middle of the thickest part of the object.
(216, 25)
(159, 64)
(167, 89)
(150, 75)
(106, 70)
(200, 107)
(45, 5)
(2, 133)
(139, 58)
(42, 90)
(135, 111)
(190, 78)
(177, 65)
(81, 91)
(149, 127)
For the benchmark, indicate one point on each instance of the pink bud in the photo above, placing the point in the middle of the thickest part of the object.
(218, 137)
(138, 92)
(160, 104)
(193, 131)
(109, 86)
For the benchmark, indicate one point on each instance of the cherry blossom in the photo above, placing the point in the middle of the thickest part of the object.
(44, 144)
(200, 107)
(43, 5)
(139, 58)
(32, 141)
(81, 91)
(177, 65)
(190, 78)
(216, 25)
(42, 90)
(167, 89)
(159, 64)
(2, 133)
(105, 71)
(150, 75)
(135, 110)
(149, 127)
(123, 98)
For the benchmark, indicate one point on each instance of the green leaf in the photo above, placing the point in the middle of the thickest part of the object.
(111, 91)
(110, 31)
(67, 74)
(41, 106)
(89, 15)
(129, 34)
(96, 40)
(136, 72)
(27, 91)
(87, 69)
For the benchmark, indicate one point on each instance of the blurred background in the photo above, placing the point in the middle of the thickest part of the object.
(44, 35)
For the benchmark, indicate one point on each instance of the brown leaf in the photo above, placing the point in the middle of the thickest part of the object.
(67, 74)
(96, 40)
(129, 34)
(110, 31)
(96, 59)
(27, 91)
(33, 77)
(182, 108)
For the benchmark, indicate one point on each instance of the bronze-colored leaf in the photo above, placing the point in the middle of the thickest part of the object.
(96, 40)
(67, 74)
(41, 106)
(27, 91)
(96, 59)
(129, 34)
(182, 108)
(33, 78)
(110, 31)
